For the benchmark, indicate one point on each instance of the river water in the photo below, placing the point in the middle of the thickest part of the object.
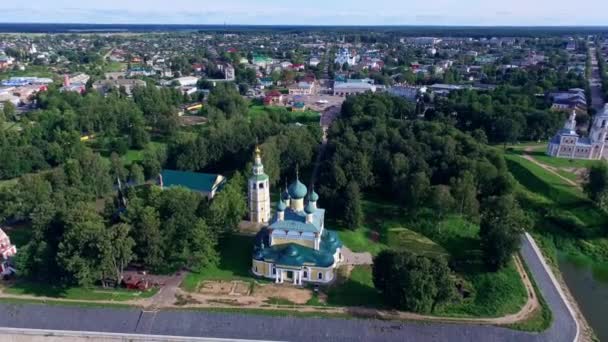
(588, 283)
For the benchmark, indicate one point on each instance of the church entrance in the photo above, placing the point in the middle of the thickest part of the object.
(289, 275)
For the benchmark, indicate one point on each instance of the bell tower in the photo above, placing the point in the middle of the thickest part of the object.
(259, 191)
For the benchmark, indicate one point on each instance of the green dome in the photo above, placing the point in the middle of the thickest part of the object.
(297, 190)
(309, 209)
(313, 196)
(281, 206)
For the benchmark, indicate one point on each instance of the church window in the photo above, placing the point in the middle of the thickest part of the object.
(261, 185)
(256, 269)
(253, 186)
(320, 276)
(305, 274)
(274, 270)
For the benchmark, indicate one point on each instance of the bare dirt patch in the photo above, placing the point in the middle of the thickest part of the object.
(216, 287)
(241, 288)
(292, 294)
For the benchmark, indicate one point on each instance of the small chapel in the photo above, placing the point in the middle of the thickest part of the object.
(567, 143)
(293, 245)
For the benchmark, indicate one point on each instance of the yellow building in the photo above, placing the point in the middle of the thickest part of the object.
(295, 246)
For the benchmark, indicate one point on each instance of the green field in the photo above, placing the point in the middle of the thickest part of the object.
(235, 263)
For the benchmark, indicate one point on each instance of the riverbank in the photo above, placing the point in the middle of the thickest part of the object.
(564, 219)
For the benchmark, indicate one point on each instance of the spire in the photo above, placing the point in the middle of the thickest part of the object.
(571, 123)
(297, 172)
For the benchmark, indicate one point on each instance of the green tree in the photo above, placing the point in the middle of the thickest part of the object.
(120, 251)
(353, 209)
(136, 174)
(596, 186)
(83, 250)
(228, 207)
(412, 282)
(500, 230)
(464, 192)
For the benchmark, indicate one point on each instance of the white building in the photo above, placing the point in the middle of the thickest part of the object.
(303, 88)
(344, 56)
(259, 192)
(568, 144)
(352, 87)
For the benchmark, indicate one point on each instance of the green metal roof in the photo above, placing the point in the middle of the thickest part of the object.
(295, 255)
(201, 182)
(261, 177)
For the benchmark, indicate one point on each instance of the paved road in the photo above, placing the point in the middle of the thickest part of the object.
(229, 325)
(595, 83)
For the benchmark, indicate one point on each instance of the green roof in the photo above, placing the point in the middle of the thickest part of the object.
(261, 177)
(201, 182)
(295, 255)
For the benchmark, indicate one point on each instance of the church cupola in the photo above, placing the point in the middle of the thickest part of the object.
(297, 192)
(310, 211)
(313, 198)
(285, 196)
(281, 210)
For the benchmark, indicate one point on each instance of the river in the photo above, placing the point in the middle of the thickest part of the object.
(588, 283)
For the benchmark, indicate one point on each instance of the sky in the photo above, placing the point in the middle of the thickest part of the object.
(310, 12)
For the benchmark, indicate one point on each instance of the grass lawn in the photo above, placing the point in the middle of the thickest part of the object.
(76, 293)
(357, 290)
(496, 294)
(235, 263)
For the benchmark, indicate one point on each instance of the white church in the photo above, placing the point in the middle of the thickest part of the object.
(568, 144)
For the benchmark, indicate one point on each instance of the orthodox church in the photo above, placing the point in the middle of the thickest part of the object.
(294, 245)
(568, 144)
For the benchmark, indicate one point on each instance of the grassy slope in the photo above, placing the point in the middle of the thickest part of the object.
(540, 192)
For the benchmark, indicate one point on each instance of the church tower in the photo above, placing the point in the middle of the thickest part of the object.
(259, 192)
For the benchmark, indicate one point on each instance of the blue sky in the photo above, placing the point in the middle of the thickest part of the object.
(311, 12)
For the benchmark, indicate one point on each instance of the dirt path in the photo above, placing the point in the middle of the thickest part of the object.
(529, 157)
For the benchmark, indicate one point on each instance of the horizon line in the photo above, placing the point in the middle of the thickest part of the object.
(311, 25)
